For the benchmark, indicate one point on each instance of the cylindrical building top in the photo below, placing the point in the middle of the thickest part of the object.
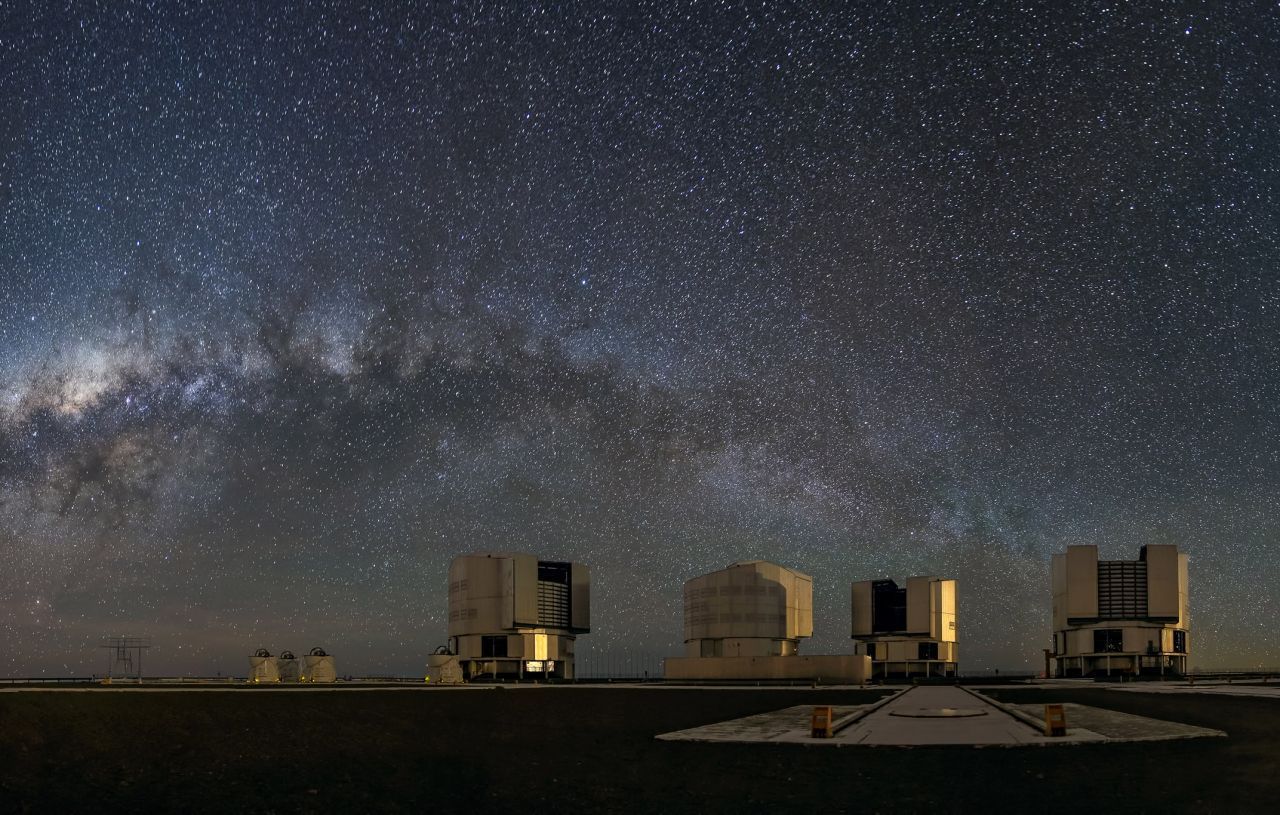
(750, 599)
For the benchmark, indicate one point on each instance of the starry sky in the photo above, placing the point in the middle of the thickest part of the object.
(297, 301)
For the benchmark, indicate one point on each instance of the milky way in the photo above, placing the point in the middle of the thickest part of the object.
(299, 302)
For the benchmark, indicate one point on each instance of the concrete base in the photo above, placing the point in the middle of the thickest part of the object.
(844, 668)
(884, 724)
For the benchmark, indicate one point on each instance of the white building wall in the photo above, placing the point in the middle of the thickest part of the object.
(860, 606)
(1082, 582)
(942, 616)
(930, 618)
(495, 595)
(755, 608)
(1146, 637)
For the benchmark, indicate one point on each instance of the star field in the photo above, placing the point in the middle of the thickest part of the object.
(298, 301)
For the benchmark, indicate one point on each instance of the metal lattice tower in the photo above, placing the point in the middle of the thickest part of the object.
(124, 656)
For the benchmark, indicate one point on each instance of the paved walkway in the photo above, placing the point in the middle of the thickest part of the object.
(919, 717)
(939, 716)
(789, 724)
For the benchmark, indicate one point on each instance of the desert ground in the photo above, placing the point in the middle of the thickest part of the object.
(589, 749)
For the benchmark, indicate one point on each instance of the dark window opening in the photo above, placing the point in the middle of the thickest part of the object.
(493, 646)
(928, 650)
(552, 572)
(1179, 642)
(1108, 640)
(871, 650)
(554, 599)
(888, 607)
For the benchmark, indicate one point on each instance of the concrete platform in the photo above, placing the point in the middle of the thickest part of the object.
(941, 716)
(1261, 691)
(1115, 726)
(1212, 687)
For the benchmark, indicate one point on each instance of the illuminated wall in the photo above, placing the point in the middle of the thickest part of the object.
(511, 614)
(909, 630)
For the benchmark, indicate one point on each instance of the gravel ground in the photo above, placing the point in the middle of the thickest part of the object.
(589, 750)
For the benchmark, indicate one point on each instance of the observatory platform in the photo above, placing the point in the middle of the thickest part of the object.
(940, 716)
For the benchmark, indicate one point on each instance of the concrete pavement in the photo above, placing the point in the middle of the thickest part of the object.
(941, 715)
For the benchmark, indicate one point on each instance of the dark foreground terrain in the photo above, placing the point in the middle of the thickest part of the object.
(588, 750)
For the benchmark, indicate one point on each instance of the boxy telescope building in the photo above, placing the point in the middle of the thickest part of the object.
(1120, 616)
(513, 615)
(908, 631)
(750, 609)
(746, 621)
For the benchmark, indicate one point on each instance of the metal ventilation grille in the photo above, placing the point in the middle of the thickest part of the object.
(1122, 589)
(553, 604)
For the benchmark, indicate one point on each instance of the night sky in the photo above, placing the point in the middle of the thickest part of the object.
(299, 302)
